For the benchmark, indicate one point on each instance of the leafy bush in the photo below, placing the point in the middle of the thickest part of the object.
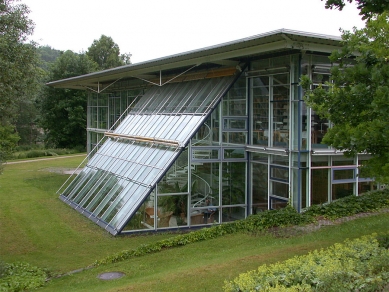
(21, 277)
(351, 205)
(33, 153)
(358, 265)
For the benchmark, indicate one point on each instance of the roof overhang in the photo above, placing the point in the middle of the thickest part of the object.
(226, 54)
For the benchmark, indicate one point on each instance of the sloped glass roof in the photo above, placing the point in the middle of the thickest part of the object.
(120, 176)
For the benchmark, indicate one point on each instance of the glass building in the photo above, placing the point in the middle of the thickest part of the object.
(209, 136)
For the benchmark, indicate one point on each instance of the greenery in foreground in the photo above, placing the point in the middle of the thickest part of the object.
(21, 277)
(358, 265)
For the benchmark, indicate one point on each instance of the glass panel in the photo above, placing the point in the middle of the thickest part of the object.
(143, 218)
(276, 203)
(260, 157)
(230, 214)
(298, 121)
(341, 174)
(114, 201)
(93, 119)
(107, 185)
(90, 187)
(102, 99)
(300, 159)
(319, 128)
(92, 98)
(205, 184)
(75, 183)
(100, 202)
(305, 132)
(176, 178)
(114, 110)
(208, 214)
(319, 186)
(296, 197)
(342, 190)
(279, 189)
(320, 73)
(279, 173)
(234, 137)
(204, 193)
(280, 106)
(234, 124)
(260, 97)
(273, 88)
(172, 210)
(234, 183)
(304, 187)
(204, 153)
(281, 160)
(342, 160)
(124, 206)
(319, 161)
(366, 186)
(129, 169)
(234, 153)
(178, 126)
(103, 118)
(234, 103)
(81, 185)
(259, 187)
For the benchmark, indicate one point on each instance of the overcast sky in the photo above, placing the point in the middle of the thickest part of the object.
(150, 29)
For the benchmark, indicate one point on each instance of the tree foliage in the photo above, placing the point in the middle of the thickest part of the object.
(106, 53)
(368, 8)
(48, 55)
(356, 101)
(63, 111)
(19, 71)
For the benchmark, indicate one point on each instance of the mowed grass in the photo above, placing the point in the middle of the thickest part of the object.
(38, 228)
(204, 266)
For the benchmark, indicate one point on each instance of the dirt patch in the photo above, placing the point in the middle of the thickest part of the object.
(63, 170)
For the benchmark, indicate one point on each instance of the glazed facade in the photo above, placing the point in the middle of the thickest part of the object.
(213, 148)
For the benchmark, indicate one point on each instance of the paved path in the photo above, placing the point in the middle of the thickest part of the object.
(40, 159)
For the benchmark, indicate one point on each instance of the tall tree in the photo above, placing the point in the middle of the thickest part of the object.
(63, 111)
(48, 55)
(26, 124)
(106, 53)
(356, 100)
(19, 71)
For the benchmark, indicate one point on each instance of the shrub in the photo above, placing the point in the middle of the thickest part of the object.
(21, 277)
(358, 265)
(33, 153)
(351, 205)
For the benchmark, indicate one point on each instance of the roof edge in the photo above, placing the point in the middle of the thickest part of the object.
(187, 54)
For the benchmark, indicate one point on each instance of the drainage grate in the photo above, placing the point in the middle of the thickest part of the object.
(110, 275)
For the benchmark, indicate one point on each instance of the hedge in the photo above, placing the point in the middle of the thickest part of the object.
(358, 265)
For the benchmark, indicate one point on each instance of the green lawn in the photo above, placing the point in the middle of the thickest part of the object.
(38, 228)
